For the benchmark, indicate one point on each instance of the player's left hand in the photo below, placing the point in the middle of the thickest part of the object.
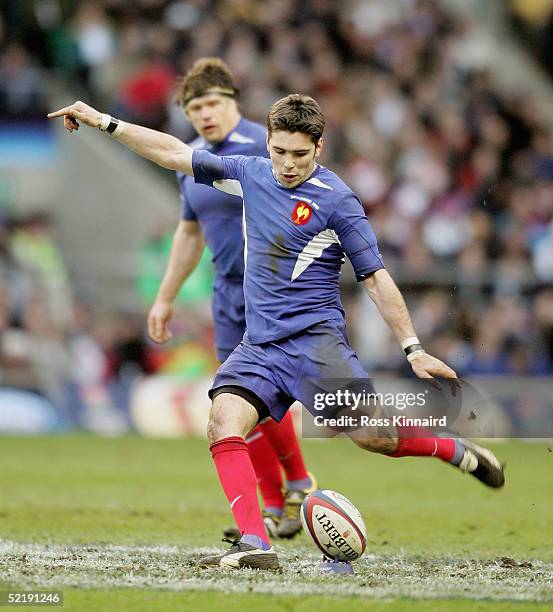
(428, 367)
(78, 111)
(160, 315)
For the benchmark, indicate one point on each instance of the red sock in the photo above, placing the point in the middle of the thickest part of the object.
(411, 445)
(283, 439)
(237, 477)
(267, 469)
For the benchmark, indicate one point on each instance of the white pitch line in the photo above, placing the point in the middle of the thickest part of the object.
(171, 567)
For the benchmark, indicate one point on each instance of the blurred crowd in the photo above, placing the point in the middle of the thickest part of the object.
(455, 174)
(52, 345)
(81, 358)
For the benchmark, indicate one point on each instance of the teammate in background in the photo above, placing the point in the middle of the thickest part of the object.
(208, 96)
(300, 220)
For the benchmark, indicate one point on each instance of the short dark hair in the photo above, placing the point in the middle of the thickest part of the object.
(207, 75)
(297, 113)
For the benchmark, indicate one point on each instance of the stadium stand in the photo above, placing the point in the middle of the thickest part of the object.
(455, 172)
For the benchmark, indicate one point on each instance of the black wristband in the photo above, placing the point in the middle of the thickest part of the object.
(412, 348)
(112, 125)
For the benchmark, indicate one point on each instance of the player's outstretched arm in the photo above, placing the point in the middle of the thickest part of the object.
(163, 149)
(186, 252)
(383, 291)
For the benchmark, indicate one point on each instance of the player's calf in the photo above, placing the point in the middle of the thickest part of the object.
(372, 442)
(376, 439)
(419, 442)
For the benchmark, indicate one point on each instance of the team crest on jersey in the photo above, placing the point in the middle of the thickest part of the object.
(302, 213)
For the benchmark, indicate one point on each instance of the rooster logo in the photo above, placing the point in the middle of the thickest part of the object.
(302, 213)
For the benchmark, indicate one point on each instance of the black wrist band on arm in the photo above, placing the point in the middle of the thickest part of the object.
(112, 126)
(412, 348)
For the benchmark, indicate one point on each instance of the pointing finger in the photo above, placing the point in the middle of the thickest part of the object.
(59, 113)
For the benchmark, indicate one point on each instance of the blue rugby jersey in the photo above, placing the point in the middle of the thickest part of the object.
(295, 242)
(220, 214)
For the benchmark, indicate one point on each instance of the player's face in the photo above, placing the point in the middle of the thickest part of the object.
(293, 155)
(213, 116)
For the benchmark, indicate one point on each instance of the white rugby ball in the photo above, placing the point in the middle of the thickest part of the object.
(335, 525)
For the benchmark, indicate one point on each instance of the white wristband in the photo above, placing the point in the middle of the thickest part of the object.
(104, 122)
(118, 131)
(409, 341)
(415, 354)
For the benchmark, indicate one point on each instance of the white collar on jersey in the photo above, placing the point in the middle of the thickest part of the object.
(240, 138)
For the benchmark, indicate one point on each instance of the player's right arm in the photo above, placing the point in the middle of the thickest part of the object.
(360, 245)
(162, 149)
(186, 252)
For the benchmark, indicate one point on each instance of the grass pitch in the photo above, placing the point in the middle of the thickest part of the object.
(117, 523)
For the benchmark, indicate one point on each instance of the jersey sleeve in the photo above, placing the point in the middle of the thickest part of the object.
(356, 236)
(187, 213)
(209, 168)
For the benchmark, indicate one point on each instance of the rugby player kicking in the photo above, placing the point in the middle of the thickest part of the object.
(300, 220)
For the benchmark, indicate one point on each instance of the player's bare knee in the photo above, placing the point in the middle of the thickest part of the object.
(217, 423)
(229, 417)
(213, 428)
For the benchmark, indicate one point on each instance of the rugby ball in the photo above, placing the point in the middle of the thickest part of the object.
(335, 525)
